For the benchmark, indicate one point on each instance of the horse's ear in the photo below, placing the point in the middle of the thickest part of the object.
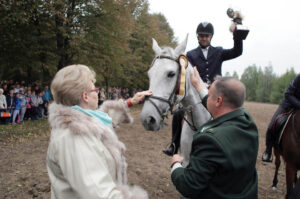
(179, 50)
(155, 47)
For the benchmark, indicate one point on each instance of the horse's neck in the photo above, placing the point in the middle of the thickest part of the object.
(198, 114)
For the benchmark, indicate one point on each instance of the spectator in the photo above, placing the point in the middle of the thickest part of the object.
(5, 89)
(11, 103)
(23, 104)
(36, 89)
(17, 108)
(102, 96)
(17, 88)
(47, 94)
(3, 105)
(41, 104)
(28, 113)
(34, 106)
(46, 99)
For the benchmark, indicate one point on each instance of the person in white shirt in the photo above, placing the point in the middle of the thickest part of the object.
(85, 158)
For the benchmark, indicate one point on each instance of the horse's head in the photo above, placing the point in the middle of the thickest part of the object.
(164, 76)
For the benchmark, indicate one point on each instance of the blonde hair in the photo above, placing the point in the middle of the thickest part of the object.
(69, 83)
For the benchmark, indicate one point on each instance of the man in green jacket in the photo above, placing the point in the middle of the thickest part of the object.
(224, 150)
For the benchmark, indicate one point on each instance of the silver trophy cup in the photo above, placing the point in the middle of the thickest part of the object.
(240, 31)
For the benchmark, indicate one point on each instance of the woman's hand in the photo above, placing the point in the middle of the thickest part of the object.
(139, 96)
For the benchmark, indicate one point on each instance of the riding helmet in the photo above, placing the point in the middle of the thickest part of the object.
(205, 28)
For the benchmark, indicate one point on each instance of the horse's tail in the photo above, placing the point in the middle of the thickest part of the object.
(295, 194)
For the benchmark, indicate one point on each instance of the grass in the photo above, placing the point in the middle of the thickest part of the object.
(25, 129)
(30, 129)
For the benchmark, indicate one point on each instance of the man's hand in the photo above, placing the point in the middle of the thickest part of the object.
(139, 96)
(197, 81)
(176, 158)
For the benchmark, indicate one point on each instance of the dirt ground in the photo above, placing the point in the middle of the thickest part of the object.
(23, 172)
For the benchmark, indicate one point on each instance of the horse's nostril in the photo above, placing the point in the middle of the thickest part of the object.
(151, 120)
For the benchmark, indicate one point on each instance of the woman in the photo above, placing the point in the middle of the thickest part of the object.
(85, 158)
(28, 105)
(17, 109)
(3, 105)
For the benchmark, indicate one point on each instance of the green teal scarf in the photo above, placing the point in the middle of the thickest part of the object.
(102, 117)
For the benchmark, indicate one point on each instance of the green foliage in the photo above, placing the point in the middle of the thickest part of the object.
(280, 85)
(235, 75)
(250, 79)
(113, 37)
(264, 85)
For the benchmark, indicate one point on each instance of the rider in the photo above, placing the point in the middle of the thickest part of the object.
(291, 101)
(208, 60)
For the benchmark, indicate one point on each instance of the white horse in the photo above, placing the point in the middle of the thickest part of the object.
(166, 74)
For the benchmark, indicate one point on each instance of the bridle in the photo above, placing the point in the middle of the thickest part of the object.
(171, 101)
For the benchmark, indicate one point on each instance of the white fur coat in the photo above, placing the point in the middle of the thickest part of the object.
(85, 158)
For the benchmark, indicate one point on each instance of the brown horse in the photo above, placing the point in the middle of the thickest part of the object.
(289, 149)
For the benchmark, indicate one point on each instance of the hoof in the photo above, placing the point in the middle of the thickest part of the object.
(274, 188)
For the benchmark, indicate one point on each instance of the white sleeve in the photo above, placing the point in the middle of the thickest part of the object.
(5, 104)
(203, 93)
(83, 164)
(175, 166)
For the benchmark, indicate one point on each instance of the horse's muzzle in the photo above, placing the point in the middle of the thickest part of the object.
(150, 119)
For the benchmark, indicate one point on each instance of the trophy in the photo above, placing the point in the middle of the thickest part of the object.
(240, 31)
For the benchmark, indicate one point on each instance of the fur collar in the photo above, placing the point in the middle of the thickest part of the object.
(64, 117)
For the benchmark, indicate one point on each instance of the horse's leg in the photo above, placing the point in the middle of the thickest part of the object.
(290, 172)
(186, 143)
(277, 163)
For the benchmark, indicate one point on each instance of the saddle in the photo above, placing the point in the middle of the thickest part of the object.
(280, 124)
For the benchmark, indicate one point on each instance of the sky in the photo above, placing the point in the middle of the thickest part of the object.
(274, 37)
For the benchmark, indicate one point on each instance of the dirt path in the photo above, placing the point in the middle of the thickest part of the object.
(23, 171)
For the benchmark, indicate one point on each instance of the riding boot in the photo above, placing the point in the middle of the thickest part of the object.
(270, 138)
(176, 133)
(267, 155)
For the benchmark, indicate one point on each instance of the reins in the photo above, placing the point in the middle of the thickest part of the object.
(171, 101)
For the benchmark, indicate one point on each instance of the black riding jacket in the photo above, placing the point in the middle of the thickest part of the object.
(292, 95)
(210, 67)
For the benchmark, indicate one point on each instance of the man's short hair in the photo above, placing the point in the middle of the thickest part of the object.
(232, 90)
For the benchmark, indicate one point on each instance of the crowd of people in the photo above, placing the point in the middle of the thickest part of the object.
(116, 93)
(20, 101)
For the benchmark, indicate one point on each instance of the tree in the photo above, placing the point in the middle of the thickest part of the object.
(113, 37)
(280, 85)
(264, 84)
(235, 75)
(250, 80)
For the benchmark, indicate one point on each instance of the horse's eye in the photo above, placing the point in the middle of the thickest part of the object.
(171, 74)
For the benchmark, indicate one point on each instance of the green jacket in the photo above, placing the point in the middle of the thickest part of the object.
(222, 161)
